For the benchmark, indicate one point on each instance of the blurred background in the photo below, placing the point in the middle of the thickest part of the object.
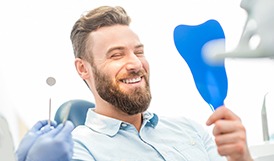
(35, 45)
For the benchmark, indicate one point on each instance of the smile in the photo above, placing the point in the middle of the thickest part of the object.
(131, 81)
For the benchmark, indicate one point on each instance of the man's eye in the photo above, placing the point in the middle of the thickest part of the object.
(117, 55)
(139, 53)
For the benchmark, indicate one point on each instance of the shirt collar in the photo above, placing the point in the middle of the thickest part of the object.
(111, 126)
(150, 119)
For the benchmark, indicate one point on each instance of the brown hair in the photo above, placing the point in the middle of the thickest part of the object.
(94, 19)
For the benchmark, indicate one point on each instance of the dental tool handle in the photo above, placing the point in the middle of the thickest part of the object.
(49, 111)
(264, 121)
(211, 107)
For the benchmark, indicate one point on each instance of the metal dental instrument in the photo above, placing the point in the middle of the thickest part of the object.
(50, 81)
(49, 111)
(65, 113)
(264, 121)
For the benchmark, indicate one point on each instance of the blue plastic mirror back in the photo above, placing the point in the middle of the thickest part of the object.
(210, 79)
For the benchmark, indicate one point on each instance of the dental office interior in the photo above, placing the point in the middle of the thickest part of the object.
(35, 45)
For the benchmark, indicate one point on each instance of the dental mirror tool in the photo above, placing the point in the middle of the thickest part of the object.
(50, 81)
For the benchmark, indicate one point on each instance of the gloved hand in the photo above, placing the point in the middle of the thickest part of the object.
(55, 145)
(40, 128)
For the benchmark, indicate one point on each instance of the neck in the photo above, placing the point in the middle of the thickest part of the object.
(110, 111)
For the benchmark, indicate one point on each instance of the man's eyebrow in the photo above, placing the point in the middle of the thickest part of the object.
(139, 46)
(122, 48)
(114, 48)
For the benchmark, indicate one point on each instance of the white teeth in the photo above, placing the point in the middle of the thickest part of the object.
(134, 80)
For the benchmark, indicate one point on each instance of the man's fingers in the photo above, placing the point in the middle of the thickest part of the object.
(221, 113)
(234, 150)
(227, 126)
(230, 138)
(230, 134)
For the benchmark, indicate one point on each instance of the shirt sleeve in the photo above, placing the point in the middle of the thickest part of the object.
(80, 152)
(208, 142)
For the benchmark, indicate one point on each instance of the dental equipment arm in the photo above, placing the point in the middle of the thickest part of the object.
(258, 35)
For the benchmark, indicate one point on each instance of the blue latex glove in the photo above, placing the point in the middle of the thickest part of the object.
(40, 128)
(55, 145)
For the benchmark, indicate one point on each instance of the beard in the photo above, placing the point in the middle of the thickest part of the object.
(133, 102)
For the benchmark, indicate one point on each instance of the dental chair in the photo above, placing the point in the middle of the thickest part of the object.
(74, 110)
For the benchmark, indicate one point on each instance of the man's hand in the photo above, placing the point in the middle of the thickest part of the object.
(230, 135)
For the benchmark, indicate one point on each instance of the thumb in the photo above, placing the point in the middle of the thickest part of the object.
(67, 129)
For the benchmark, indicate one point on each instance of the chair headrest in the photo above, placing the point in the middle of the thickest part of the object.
(77, 111)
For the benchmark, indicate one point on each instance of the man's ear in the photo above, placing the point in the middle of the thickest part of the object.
(82, 68)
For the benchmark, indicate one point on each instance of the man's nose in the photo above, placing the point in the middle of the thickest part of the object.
(133, 63)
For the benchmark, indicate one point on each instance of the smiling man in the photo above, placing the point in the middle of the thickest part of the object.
(110, 58)
(120, 70)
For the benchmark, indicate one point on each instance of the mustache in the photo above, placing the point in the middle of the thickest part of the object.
(140, 73)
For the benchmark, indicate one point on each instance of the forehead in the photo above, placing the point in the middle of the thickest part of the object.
(106, 38)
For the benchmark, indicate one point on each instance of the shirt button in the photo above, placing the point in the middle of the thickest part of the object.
(124, 125)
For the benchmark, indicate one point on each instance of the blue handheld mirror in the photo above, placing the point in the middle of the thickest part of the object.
(210, 78)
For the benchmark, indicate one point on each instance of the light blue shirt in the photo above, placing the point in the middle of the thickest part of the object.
(160, 139)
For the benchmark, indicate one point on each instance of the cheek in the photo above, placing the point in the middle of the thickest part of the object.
(110, 72)
(114, 69)
(145, 65)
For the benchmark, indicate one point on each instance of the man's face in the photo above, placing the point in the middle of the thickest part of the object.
(121, 72)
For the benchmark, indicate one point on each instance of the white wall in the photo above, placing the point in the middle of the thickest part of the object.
(35, 44)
